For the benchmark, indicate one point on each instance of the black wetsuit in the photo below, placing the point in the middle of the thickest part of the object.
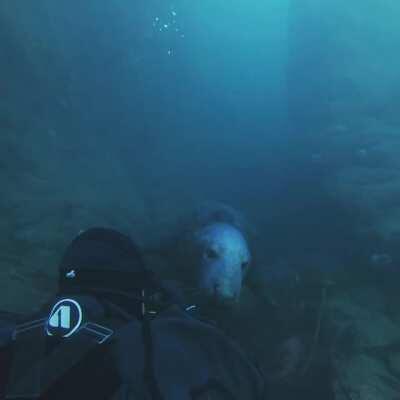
(115, 355)
(7, 329)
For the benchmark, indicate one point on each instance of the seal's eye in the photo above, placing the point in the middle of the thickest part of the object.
(245, 264)
(211, 254)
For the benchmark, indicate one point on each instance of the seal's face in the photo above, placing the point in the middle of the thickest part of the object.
(223, 260)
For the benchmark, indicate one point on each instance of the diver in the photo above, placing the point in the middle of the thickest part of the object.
(114, 331)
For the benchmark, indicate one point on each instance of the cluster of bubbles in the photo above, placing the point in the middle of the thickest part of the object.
(168, 25)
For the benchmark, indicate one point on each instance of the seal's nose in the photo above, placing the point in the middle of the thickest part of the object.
(223, 294)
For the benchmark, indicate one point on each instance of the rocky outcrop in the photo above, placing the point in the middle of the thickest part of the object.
(344, 95)
(366, 345)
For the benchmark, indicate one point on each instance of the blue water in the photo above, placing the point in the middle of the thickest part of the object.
(131, 114)
(142, 112)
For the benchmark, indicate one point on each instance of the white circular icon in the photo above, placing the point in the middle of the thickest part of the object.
(65, 318)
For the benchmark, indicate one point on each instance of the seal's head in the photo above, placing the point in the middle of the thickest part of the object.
(222, 261)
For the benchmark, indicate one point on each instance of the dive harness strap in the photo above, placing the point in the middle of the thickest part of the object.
(7, 330)
(148, 372)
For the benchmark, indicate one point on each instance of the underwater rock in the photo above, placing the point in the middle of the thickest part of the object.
(333, 65)
(394, 362)
(361, 316)
(357, 120)
(364, 378)
(362, 337)
(374, 193)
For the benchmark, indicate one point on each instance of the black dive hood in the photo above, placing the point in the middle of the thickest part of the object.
(103, 260)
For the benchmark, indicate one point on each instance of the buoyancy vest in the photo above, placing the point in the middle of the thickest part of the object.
(79, 347)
